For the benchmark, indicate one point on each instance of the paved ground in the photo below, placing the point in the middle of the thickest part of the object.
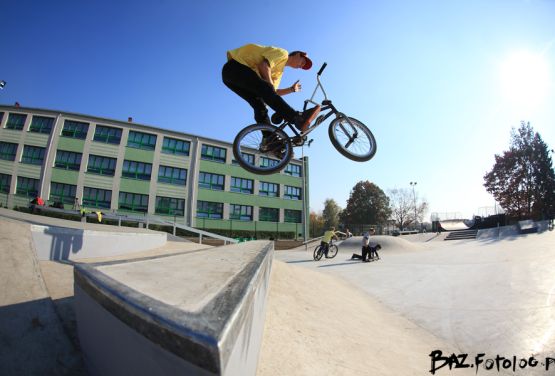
(494, 296)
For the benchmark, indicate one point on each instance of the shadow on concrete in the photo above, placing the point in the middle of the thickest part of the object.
(32, 341)
(299, 261)
(64, 243)
(342, 264)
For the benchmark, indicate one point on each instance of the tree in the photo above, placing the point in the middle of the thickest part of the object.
(522, 179)
(316, 224)
(331, 213)
(401, 203)
(367, 204)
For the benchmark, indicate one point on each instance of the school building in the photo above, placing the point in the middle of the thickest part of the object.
(125, 167)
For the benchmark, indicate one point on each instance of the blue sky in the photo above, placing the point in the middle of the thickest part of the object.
(440, 84)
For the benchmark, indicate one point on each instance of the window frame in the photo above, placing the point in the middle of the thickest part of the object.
(5, 181)
(32, 193)
(79, 131)
(129, 173)
(3, 152)
(15, 125)
(287, 216)
(107, 137)
(99, 200)
(132, 207)
(245, 212)
(179, 211)
(211, 184)
(240, 188)
(265, 217)
(211, 156)
(64, 198)
(288, 195)
(210, 214)
(266, 192)
(141, 144)
(164, 178)
(65, 165)
(101, 170)
(33, 159)
(45, 124)
(288, 170)
(167, 149)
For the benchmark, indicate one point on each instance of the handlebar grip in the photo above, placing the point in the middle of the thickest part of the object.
(322, 69)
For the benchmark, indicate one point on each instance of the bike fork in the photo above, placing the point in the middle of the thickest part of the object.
(354, 130)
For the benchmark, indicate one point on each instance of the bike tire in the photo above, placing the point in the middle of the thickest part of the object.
(249, 141)
(332, 252)
(362, 149)
(317, 253)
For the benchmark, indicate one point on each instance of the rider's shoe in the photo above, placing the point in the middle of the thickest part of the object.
(303, 120)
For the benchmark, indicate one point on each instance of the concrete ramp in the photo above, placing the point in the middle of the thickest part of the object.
(456, 224)
(198, 313)
(32, 338)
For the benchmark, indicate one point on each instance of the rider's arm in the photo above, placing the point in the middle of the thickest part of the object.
(265, 71)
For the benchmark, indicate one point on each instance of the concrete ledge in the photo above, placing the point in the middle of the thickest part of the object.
(60, 243)
(198, 313)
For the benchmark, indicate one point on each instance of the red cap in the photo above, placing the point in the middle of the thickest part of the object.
(308, 63)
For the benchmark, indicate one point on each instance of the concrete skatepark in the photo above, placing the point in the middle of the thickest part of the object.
(492, 295)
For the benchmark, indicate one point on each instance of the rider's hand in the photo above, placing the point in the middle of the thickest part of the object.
(296, 87)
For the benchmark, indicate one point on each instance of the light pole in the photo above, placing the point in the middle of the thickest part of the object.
(2, 84)
(413, 184)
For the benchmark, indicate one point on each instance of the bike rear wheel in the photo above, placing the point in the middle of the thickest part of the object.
(318, 253)
(249, 141)
(332, 252)
(352, 138)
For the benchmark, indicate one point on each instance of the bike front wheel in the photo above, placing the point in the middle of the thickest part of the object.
(318, 253)
(352, 139)
(266, 139)
(332, 252)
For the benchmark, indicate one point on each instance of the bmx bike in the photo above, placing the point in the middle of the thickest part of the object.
(348, 135)
(319, 251)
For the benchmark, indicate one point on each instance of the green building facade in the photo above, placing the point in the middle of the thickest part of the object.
(129, 168)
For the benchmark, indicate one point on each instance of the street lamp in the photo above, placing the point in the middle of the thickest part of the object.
(413, 184)
(2, 84)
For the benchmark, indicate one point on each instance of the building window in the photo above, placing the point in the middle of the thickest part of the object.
(107, 135)
(136, 170)
(75, 129)
(240, 212)
(268, 162)
(101, 165)
(28, 187)
(170, 206)
(293, 216)
(172, 175)
(141, 140)
(5, 182)
(211, 181)
(32, 155)
(97, 198)
(212, 210)
(8, 151)
(268, 214)
(249, 158)
(16, 121)
(68, 160)
(1, 116)
(292, 193)
(174, 146)
(268, 189)
(41, 124)
(64, 193)
(133, 202)
(241, 185)
(213, 153)
(293, 170)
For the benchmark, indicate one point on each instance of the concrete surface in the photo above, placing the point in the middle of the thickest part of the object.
(493, 296)
(192, 313)
(32, 338)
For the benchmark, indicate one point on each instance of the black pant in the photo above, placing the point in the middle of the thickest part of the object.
(365, 252)
(256, 91)
(325, 247)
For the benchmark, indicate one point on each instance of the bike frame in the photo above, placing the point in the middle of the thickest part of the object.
(328, 107)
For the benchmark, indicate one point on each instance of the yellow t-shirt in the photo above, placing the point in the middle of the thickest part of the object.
(253, 54)
(328, 235)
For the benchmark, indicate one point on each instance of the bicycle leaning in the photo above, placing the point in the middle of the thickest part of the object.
(319, 251)
(348, 135)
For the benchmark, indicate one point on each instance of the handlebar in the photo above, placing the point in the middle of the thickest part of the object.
(322, 69)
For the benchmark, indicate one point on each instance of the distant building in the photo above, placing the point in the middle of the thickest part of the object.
(126, 167)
